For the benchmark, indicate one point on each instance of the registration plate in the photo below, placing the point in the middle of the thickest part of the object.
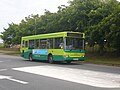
(75, 59)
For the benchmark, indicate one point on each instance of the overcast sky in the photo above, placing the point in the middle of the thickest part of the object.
(15, 10)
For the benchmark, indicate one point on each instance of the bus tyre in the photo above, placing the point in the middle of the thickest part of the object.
(50, 59)
(68, 62)
(30, 57)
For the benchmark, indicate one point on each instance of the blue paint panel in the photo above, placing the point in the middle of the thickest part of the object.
(40, 51)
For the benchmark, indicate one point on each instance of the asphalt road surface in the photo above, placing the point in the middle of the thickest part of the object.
(17, 73)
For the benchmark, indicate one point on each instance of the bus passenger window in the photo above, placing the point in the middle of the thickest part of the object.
(43, 44)
(31, 44)
(23, 44)
(50, 43)
(37, 43)
(26, 43)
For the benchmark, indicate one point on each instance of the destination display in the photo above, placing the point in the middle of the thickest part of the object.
(74, 35)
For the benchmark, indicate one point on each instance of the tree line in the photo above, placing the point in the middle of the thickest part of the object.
(98, 19)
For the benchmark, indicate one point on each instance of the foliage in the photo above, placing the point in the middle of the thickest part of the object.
(99, 19)
(1, 45)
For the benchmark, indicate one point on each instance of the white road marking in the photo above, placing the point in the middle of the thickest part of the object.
(10, 78)
(3, 69)
(6, 61)
(87, 77)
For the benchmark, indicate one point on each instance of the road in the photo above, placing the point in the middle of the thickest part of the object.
(17, 73)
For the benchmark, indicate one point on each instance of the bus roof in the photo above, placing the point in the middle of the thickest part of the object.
(51, 35)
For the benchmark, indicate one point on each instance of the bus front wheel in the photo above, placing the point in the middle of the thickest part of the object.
(50, 59)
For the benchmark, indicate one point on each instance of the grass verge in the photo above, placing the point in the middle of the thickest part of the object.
(9, 51)
(103, 60)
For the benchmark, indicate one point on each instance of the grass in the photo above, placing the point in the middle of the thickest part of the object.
(1, 45)
(103, 60)
(108, 58)
(10, 51)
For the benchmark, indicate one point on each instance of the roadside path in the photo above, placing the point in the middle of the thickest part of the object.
(8, 52)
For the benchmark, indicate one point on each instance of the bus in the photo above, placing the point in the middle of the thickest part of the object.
(60, 46)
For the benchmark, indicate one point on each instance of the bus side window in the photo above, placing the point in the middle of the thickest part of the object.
(23, 44)
(50, 43)
(37, 43)
(31, 44)
(43, 43)
(26, 44)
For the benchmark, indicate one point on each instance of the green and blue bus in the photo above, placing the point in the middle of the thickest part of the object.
(60, 46)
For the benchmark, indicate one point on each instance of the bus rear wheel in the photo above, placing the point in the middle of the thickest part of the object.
(30, 57)
(68, 62)
(50, 59)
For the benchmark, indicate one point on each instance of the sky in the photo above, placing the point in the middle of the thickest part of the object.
(16, 10)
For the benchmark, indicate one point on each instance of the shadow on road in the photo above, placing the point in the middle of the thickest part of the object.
(57, 62)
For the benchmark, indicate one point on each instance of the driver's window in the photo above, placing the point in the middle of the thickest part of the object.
(58, 43)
